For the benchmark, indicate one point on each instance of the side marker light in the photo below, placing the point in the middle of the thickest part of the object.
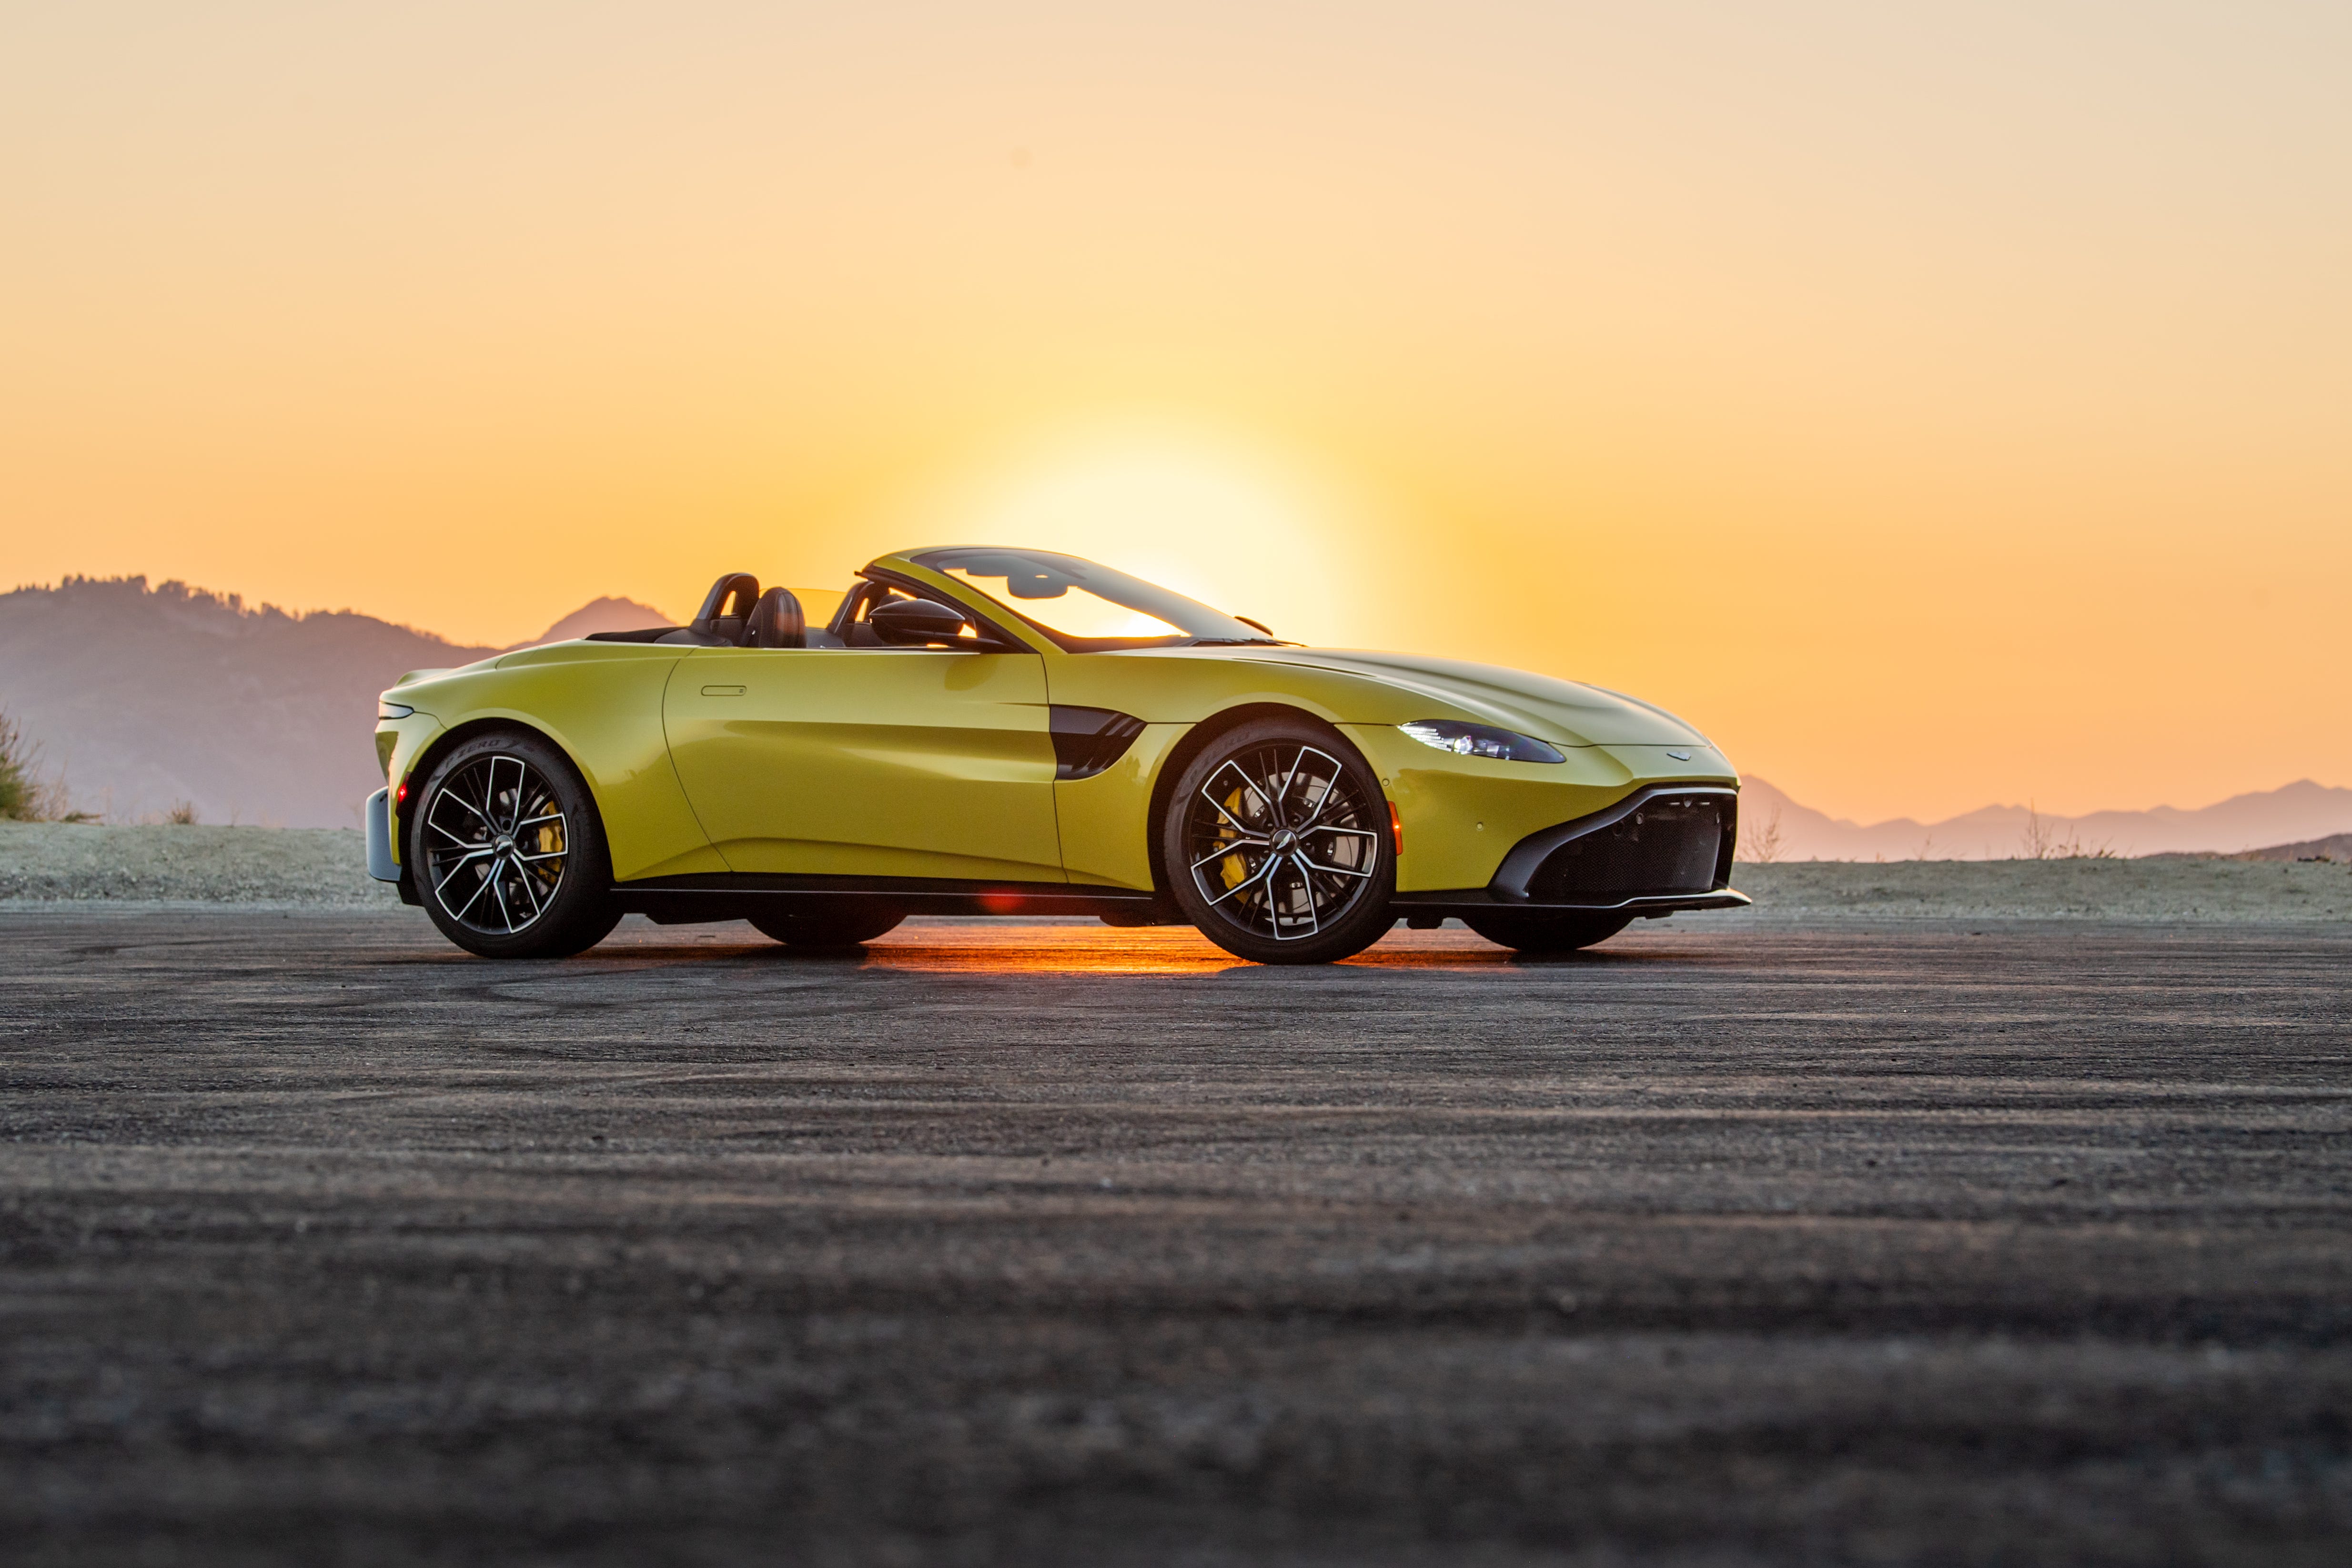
(1396, 828)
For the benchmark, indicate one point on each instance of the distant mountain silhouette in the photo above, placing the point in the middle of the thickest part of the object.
(145, 696)
(606, 614)
(149, 695)
(2299, 811)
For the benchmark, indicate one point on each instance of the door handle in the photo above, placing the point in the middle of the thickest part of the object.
(722, 691)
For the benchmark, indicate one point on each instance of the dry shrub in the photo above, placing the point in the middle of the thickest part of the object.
(2043, 840)
(1760, 842)
(26, 794)
(183, 814)
(2039, 838)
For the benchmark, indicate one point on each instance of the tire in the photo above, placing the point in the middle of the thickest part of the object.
(507, 852)
(1547, 931)
(1308, 866)
(831, 928)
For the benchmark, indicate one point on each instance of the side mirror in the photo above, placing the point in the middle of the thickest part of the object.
(923, 622)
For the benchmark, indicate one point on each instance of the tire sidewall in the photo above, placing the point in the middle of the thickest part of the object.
(1366, 921)
(582, 914)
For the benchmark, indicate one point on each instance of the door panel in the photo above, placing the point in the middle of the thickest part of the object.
(853, 762)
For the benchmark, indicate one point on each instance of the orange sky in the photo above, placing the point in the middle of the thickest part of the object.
(1938, 404)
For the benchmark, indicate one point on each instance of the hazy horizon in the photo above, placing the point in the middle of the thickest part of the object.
(1935, 405)
(617, 611)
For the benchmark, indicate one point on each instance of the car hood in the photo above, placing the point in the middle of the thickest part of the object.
(1567, 713)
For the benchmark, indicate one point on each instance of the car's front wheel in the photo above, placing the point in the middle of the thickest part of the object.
(507, 851)
(1276, 844)
(1547, 931)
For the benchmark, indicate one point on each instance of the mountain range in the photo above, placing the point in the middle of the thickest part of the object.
(144, 697)
(148, 696)
(2302, 811)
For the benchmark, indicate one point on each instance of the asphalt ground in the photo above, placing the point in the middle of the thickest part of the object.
(1929, 1242)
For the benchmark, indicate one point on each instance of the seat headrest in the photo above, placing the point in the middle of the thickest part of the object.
(776, 622)
(730, 598)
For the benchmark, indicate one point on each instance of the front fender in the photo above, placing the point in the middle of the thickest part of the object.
(601, 704)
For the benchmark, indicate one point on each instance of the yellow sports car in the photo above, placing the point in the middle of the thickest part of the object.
(994, 731)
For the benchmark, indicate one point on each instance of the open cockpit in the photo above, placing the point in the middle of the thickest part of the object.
(1076, 605)
(738, 613)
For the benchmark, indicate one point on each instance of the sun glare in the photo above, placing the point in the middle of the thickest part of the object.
(1233, 532)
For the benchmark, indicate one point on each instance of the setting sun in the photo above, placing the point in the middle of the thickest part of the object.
(1209, 519)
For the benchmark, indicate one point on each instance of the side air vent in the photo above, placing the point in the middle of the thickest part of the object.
(1088, 740)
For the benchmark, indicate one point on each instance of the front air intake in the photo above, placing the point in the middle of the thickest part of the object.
(1668, 843)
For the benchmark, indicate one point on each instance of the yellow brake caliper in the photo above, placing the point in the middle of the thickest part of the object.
(1234, 868)
(551, 841)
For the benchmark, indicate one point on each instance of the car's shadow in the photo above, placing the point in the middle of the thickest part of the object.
(1079, 950)
(1028, 948)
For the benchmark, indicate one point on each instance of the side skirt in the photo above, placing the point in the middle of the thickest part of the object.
(691, 900)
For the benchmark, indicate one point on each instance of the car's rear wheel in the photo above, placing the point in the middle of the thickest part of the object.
(1547, 931)
(829, 928)
(507, 851)
(1276, 844)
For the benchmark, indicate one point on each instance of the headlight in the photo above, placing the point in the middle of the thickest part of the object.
(393, 710)
(1480, 740)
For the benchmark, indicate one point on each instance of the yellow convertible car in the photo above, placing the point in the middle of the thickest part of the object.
(994, 731)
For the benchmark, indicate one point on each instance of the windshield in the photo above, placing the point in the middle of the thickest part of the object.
(1085, 608)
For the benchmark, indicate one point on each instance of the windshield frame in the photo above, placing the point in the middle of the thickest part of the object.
(1197, 624)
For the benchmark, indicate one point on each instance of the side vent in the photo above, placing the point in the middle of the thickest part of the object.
(1088, 740)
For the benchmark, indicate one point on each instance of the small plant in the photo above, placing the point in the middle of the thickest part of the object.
(16, 777)
(2040, 839)
(2043, 840)
(24, 795)
(183, 814)
(2075, 849)
(1762, 841)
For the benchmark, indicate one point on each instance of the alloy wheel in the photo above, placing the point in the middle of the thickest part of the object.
(1281, 841)
(495, 845)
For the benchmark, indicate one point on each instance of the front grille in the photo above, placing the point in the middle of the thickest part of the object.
(1669, 843)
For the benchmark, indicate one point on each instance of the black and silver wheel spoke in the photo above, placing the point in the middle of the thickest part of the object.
(1281, 841)
(1300, 908)
(1221, 851)
(1359, 845)
(495, 845)
(1250, 883)
(487, 878)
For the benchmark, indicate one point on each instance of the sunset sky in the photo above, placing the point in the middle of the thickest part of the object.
(1938, 404)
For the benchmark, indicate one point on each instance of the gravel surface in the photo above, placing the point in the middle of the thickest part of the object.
(47, 861)
(2170, 891)
(1913, 1242)
(299, 866)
